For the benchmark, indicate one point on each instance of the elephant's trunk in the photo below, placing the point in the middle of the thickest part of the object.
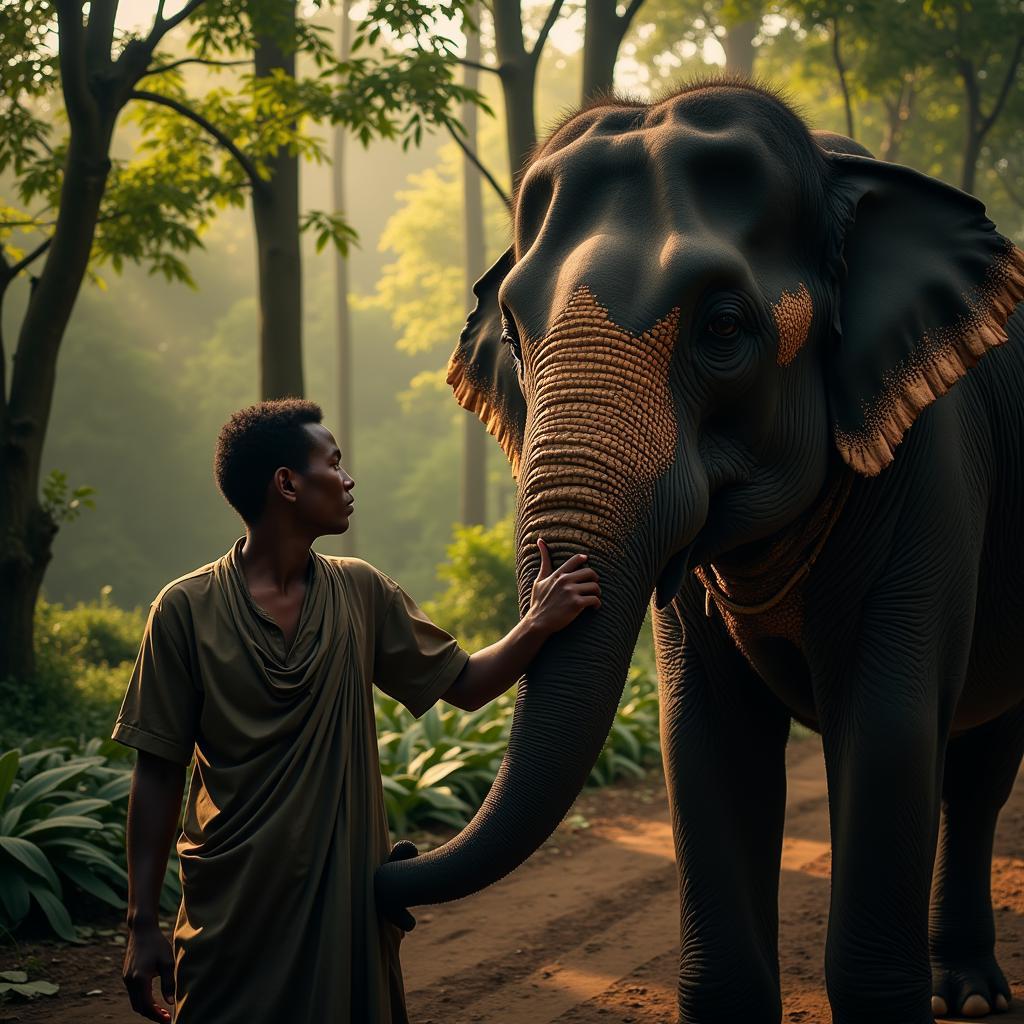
(600, 432)
(565, 706)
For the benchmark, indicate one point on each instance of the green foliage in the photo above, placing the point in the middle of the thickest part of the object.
(198, 154)
(98, 633)
(440, 767)
(479, 604)
(60, 504)
(329, 227)
(423, 286)
(84, 658)
(62, 833)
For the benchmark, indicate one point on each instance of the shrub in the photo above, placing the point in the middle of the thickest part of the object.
(62, 833)
(480, 604)
(97, 633)
(84, 658)
(440, 767)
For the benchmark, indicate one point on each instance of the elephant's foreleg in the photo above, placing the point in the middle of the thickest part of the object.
(880, 733)
(723, 741)
(981, 767)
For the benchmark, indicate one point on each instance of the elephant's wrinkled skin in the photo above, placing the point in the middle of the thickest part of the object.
(719, 346)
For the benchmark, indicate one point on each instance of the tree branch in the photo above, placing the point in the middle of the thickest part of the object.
(34, 223)
(493, 68)
(247, 165)
(629, 13)
(837, 57)
(16, 268)
(1011, 74)
(162, 26)
(99, 33)
(161, 68)
(549, 21)
(479, 166)
(71, 48)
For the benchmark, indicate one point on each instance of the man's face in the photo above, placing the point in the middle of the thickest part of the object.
(324, 490)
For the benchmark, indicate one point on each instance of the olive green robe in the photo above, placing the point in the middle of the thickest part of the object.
(284, 822)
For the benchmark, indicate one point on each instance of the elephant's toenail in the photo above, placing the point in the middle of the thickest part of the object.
(939, 1007)
(1001, 1003)
(975, 1006)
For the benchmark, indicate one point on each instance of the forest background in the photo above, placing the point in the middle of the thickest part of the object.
(150, 369)
(174, 328)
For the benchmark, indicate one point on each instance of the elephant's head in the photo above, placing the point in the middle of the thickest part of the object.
(703, 307)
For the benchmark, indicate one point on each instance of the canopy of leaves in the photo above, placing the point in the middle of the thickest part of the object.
(194, 154)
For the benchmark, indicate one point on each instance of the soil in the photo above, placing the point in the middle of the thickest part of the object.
(586, 932)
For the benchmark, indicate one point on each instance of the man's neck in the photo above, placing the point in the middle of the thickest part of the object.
(275, 557)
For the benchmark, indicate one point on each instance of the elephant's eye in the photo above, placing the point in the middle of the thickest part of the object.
(725, 325)
(510, 337)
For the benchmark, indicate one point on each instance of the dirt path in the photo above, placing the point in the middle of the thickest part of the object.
(586, 931)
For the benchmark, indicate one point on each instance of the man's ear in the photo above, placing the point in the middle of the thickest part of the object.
(481, 370)
(926, 287)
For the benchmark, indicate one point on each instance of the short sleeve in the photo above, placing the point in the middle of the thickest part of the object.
(414, 660)
(160, 711)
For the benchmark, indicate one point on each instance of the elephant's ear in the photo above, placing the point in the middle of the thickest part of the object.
(929, 285)
(481, 370)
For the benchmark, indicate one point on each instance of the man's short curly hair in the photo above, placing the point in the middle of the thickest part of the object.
(254, 443)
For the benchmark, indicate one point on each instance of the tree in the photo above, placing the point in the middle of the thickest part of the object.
(602, 35)
(275, 211)
(96, 209)
(671, 30)
(892, 52)
(341, 288)
(517, 69)
(473, 506)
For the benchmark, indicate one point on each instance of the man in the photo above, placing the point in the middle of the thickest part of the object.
(259, 666)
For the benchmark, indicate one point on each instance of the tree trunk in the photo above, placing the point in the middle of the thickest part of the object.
(474, 454)
(896, 122)
(972, 150)
(518, 77)
(26, 527)
(602, 35)
(739, 46)
(25, 552)
(275, 207)
(343, 426)
(841, 72)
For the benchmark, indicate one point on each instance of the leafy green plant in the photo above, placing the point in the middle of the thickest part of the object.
(84, 658)
(61, 504)
(440, 767)
(62, 833)
(95, 633)
(480, 603)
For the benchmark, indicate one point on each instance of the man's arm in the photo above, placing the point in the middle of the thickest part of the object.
(154, 805)
(558, 597)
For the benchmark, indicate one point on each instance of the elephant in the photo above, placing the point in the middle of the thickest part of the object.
(727, 356)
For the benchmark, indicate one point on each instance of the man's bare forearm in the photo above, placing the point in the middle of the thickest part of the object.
(556, 599)
(490, 672)
(154, 806)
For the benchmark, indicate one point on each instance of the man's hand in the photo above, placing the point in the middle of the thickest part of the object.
(558, 597)
(148, 955)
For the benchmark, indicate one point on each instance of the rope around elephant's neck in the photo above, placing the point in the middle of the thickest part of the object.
(711, 591)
